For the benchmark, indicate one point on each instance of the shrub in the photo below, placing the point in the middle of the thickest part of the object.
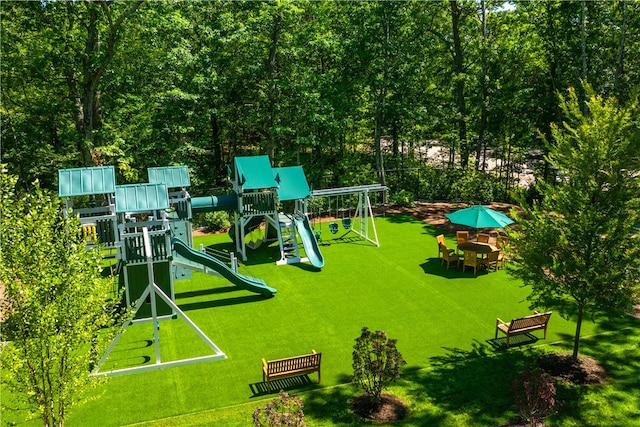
(376, 363)
(403, 199)
(535, 393)
(213, 221)
(472, 187)
(284, 410)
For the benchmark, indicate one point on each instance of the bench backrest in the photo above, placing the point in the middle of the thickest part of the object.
(530, 321)
(308, 361)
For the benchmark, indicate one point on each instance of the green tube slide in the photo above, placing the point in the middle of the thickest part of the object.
(187, 255)
(225, 202)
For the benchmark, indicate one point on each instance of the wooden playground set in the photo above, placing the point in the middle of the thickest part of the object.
(147, 229)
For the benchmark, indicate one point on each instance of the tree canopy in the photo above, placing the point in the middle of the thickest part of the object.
(346, 89)
(56, 307)
(579, 248)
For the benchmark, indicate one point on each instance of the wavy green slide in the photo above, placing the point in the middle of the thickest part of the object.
(309, 241)
(193, 257)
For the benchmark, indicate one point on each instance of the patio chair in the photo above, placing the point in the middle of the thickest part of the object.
(483, 238)
(503, 244)
(462, 237)
(470, 260)
(491, 260)
(449, 256)
(442, 244)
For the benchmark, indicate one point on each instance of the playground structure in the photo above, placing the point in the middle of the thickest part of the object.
(363, 220)
(145, 225)
(260, 189)
(147, 229)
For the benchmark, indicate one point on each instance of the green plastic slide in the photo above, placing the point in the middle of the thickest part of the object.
(193, 256)
(309, 241)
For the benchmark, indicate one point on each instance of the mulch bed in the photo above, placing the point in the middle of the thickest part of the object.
(565, 368)
(433, 213)
(391, 408)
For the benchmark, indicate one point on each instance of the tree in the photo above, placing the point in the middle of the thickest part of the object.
(578, 247)
(99, 50)
(376, 363)
(56, 306)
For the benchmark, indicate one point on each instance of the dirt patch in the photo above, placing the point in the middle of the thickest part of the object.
(433, 213)
(391, 408)
(581, 371)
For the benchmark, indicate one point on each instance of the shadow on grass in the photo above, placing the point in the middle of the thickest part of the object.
(332, 404)
(476, 383)
(222, 302)
(402, 218)
(202, 292)
(617, 401)
(297, 383)
(435, 267)
(306, 267)
(500, 343)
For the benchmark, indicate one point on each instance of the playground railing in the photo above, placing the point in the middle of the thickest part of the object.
(258, 203)
(133, 242)
(228, 258)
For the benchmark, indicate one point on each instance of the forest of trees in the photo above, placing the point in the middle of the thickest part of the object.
(349, 90)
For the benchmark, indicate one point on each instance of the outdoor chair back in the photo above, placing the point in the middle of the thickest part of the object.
(483, 238)
(470, 260)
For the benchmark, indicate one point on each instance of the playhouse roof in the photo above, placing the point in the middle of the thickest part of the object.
(293, 183)
(173, 176)
(86, 181)
(254, 173)
(141, 197)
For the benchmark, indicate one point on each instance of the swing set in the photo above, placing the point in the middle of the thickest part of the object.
(359, 224)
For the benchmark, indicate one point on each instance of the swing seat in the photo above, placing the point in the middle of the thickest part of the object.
(346, 223)
(333, 227)
(318, 233)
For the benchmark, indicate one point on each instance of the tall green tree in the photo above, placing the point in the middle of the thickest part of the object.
(578, 248)
(56, 308)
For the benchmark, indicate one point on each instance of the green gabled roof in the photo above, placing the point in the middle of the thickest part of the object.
(293, 183)
(254, 173)
(173, 176)
(141, 197)
(86, 181)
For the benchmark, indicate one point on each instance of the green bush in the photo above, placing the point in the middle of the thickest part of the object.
(403, 198)
(377, 363)
(212, 221)
(472, 187)
(282, 411)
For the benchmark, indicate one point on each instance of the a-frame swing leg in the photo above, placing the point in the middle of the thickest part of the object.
(154, 290)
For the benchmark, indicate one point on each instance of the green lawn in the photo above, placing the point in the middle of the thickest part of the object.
(444, 321)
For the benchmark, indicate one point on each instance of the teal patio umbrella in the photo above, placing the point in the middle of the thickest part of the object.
(479, 217)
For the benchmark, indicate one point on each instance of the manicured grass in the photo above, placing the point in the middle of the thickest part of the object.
(444, 321)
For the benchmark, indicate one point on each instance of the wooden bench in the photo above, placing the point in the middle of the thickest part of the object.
(524, 325)
(291, 366)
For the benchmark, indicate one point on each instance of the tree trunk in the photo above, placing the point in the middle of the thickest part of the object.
(576, 338)
(216, 148)
(93, 68)
(583, 42)
(458, 72)
(271, 73)
(620, 60)
(89, 81)
(483, 88)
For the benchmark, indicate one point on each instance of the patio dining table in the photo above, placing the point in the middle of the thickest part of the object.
(481, 248)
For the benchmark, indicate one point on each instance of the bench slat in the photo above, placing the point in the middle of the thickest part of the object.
(291, 366)
(534, 322)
